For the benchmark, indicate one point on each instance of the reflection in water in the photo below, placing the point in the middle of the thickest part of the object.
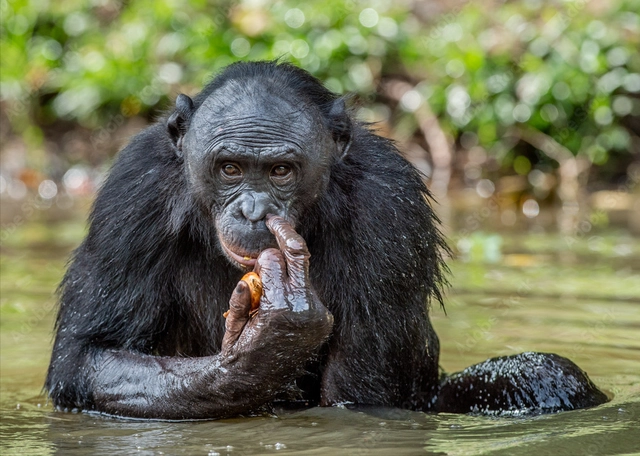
(609, 429)
(319, 428)
(588, 311)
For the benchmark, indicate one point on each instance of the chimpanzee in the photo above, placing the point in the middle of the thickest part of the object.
(266, 170)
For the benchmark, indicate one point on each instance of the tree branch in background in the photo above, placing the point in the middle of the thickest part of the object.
(571, 168)
(439, 146)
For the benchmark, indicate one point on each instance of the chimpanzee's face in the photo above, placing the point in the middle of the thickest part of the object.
(248, 154)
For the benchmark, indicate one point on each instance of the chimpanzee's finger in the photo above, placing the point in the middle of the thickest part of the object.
(237, 315)
(271, 268)
(294, 248)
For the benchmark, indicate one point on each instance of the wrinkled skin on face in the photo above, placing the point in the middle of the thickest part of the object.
(255, 154)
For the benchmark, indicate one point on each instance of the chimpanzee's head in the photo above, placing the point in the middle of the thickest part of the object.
(256, 143)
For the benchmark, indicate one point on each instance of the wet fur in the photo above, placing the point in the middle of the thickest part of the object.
(150, 277)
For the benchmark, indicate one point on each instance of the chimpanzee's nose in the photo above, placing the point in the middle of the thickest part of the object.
(255, 206)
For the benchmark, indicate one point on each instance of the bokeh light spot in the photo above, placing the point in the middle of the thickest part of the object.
(369, 17)
(531, 208)
(294, 18)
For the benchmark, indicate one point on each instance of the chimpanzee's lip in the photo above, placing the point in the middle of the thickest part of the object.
(240, 259)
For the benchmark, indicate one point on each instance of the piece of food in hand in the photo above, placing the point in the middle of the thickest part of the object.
(255, 289)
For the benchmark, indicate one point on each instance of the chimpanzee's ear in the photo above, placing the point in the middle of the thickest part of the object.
(340, 126)
(179, 120)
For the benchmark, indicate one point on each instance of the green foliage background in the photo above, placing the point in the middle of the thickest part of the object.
(567, 69)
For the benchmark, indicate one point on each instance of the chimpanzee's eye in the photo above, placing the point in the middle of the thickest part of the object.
(230, 170)
(280, 171)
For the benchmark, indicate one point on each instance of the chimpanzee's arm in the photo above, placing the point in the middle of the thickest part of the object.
(247, 373)
(135, 385)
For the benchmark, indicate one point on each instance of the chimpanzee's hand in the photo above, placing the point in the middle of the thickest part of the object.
(291, 322)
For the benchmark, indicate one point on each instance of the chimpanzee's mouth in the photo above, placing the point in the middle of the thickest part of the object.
(246, 261)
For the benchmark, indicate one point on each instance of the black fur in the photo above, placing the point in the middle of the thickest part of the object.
(150, 281)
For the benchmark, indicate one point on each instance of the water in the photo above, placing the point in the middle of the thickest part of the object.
(576, 297)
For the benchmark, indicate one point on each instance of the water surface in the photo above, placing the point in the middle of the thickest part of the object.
(579, 298)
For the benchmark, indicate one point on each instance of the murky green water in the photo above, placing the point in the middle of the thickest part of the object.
(578, 297)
